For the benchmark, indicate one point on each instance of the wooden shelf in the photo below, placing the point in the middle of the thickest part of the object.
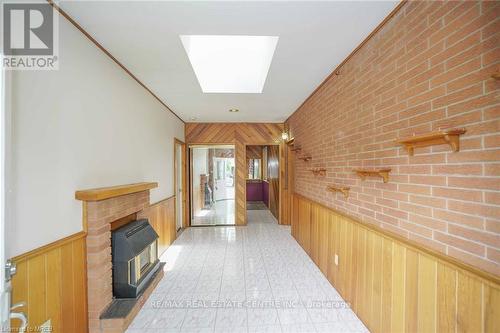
(103, 193)
(343, 189)
(291, 142)
(450, 136)
(383, 173)
(318, 171)
(305, 158)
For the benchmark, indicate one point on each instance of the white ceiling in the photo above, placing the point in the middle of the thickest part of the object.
(314, 37)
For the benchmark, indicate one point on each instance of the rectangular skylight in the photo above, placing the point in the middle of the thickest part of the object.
(230, 63)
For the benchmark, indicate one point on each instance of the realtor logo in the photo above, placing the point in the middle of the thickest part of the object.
(29, 38)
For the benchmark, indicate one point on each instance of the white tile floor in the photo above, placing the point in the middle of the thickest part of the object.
(243, 279)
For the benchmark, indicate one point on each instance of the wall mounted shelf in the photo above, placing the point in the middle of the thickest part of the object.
(318, 171)
(383, 173)
(305, 158)
(450, 136)
(291, 142)
(343, 189)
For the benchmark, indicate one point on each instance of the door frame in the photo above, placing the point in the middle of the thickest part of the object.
(189, 168)
(280, 173)
(180, 143)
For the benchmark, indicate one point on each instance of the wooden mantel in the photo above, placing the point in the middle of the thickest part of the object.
(103, 193)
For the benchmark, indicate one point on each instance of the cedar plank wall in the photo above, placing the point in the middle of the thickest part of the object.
(241, 135)
(430, 65)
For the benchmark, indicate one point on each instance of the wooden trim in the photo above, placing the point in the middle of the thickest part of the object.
(161, 201)
(337, 69)
(411, 244)
(106, 52)
(184, 182)
(103, 193)
(50, 246)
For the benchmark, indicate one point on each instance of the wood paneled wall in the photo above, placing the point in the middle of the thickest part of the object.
(392, 284)
(241, 135)
(52, 280)
(161, 216)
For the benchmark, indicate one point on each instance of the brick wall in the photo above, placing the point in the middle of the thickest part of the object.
(100, 214)
(428, 67)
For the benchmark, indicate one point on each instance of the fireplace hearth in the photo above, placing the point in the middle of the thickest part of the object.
(134, 258)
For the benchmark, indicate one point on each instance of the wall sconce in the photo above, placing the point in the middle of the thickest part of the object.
(284, 136)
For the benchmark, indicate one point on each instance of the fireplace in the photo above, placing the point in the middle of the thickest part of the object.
(134, 257)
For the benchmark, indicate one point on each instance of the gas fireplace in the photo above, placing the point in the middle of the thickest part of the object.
(135, 258)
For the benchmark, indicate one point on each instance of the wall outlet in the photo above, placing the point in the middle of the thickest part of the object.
(336, 259)
(46, 327)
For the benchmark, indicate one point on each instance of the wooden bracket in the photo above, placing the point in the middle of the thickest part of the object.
(344, 190)
(383, 173)
(305, 158)
(450, 136)
(318, 171)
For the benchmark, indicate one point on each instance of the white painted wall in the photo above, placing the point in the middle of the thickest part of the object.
(86, 125)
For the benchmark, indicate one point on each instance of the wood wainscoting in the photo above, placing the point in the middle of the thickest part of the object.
(52, 280)
(161, 216)
(392, 284)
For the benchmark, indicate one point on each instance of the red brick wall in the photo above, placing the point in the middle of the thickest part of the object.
(429, 66)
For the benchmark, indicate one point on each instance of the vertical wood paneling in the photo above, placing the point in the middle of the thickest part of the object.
(491, 306)
(426, 294)
(161, 216)
(377, 283)
(394, 286)
(52, 280)
(469, 305)
(398, 288)
(446, 298)
(411, 291)
(386, 312)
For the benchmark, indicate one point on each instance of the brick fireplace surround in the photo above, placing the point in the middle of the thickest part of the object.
(99, 213)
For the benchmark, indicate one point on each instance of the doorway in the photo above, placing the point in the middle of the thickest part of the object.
(212, 190)
(262, 183)
(180, 184)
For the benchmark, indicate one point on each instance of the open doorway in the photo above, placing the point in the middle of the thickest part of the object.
(262, 184)
(212, 185)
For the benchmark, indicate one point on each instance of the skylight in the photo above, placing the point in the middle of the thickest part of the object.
(229, 63)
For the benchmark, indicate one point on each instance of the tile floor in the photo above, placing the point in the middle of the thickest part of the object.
(243, 279)
(221, 213)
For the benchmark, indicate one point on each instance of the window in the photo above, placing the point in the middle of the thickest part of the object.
(254, 168)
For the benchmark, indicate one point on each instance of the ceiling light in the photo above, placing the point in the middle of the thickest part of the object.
(234, 110)
(193, 118)
(230, 63)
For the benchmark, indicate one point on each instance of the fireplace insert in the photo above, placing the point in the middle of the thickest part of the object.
(135, 258)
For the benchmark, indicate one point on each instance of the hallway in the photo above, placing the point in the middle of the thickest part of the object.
(228, 279)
